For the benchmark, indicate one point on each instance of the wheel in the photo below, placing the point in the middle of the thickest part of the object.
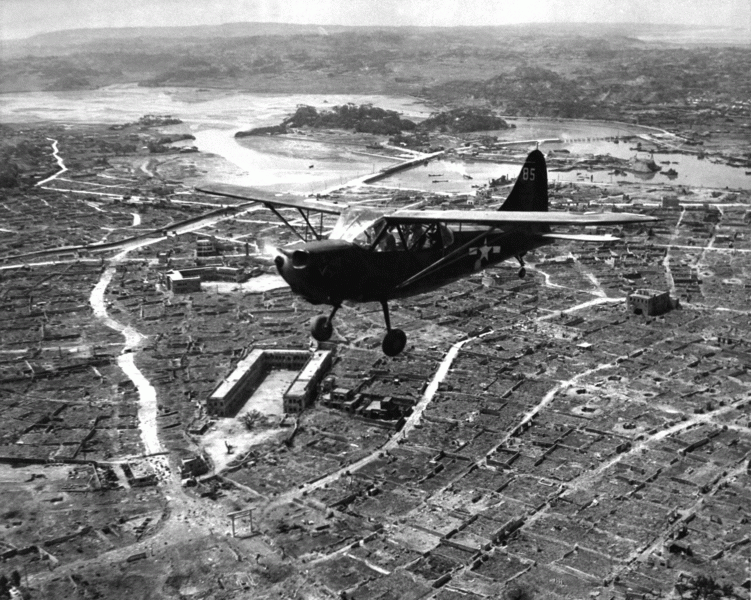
(394, 342)
(522, 273)
(321, 328)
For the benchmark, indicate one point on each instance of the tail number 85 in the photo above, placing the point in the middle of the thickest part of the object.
(528, 173)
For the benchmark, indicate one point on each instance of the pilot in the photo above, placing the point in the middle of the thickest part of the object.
(387, 243)
(415, 240)
(436, 239)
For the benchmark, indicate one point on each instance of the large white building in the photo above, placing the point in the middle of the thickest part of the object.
(229, 396)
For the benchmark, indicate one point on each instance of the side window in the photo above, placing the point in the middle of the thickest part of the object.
(390, 241)
(433, 236)
(364, 238)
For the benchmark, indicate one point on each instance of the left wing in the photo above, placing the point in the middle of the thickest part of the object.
(503, 217)
(240, 192)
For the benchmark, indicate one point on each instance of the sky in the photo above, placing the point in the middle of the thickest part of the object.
(23, 18)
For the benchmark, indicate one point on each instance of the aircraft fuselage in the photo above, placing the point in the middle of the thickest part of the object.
(331, 271)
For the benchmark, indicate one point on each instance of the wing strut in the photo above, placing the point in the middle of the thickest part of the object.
(285, 221)
(307, 222)
(446, 260)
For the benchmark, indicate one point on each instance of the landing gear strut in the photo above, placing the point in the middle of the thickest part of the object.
(395, 339)
(522, 271)
(321, 327)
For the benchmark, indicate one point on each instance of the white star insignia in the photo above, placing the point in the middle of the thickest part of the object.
(484, 253)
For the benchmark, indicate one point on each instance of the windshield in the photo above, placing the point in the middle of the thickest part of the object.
(358, 225)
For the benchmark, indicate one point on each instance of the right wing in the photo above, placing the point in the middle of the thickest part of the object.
(579, 237)
(503, 217)
(269, 199)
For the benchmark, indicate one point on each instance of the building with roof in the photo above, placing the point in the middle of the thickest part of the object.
(303, 389)
(177, 283)
(649, 302)
(187, 281)
(229, 396)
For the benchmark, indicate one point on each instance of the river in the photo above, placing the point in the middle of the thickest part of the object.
(213, 116)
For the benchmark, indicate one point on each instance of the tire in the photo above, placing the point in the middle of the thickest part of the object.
(394, 342)
(321, 328)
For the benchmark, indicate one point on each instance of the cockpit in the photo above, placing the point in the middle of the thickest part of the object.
(370, 230)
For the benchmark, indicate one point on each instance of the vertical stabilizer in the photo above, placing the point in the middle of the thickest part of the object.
(530, 192)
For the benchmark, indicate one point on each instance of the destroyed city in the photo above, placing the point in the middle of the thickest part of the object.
(375, 309)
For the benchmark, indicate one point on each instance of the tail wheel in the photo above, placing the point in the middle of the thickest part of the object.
(394, 342)
(522, 273)
(321, 328)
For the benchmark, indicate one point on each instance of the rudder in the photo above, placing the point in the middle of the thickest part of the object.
(530, 192)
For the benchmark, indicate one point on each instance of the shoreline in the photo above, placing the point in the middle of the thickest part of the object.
(219, 113)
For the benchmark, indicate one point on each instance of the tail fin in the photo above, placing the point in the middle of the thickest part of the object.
(530, 192)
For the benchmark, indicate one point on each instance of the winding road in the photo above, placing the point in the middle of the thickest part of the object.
(147, 404)
(60, 163)
(396, 439)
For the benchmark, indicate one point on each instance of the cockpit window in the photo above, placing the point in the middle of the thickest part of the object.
(359, 226)
(368, 229)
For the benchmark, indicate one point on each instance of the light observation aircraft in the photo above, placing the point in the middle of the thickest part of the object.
(377, 255)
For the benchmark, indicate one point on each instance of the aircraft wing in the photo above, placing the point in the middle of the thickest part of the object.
(270, 199)
(579, 237)
(504, 217)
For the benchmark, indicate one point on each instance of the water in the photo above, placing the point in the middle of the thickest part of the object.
(449, 176)
(213, 116)
(692, 171)
(211, 108)
(287, 165)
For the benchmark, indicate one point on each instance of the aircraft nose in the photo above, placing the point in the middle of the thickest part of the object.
(291, 265)
(297, 259)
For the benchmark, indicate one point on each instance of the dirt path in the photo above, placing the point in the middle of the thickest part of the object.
(60, 163)
(147, 405)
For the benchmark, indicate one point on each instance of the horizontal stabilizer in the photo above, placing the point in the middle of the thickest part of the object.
(583, 237)
(240, 192)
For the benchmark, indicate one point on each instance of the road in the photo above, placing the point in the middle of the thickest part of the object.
(60, 163)
(189, 519)
(147, 404)
(666, 260)
(392, 443)
(153, 236)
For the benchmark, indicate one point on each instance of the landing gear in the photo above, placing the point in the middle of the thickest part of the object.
(395, 339)
(321, 327)
(522, 271)
(394, 342)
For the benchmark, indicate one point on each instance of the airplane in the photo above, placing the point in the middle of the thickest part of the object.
(377, 255)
